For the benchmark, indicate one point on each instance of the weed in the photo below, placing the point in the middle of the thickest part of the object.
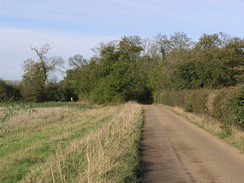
(226, 131)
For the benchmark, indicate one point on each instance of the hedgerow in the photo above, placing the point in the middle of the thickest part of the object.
(226, 105)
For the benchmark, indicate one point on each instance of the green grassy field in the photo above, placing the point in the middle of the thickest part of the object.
(69, 142)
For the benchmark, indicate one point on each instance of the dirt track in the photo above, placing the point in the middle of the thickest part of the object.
(176, 151)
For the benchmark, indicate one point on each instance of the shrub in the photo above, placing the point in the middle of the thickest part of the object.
(189, 103)
(235, 105)
(218, 103)
(8, 93)
(226, 105)
(199, 101)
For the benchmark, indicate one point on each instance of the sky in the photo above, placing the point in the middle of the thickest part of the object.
(76, 26)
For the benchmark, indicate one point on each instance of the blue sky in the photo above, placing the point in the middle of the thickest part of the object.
(76, 26)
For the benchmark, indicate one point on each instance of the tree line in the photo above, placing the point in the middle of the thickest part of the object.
(133, 68)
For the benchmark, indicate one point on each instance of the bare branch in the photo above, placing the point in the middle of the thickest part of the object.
(77, 61)
(40, 70)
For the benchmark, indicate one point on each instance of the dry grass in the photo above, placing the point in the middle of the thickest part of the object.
(110, 145)
(71, 145)
(233, 135)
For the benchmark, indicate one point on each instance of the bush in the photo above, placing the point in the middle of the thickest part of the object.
(199, 101)
(8, 93)
(172, 98)
(235, 105)
(218, 110)
(226, 105)
(189, 103)
(32, 92)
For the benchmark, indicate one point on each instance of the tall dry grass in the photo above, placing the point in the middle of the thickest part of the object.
(107, 155)
(70, 145)
(111, 152)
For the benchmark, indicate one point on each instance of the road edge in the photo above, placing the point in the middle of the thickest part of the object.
(229, 140)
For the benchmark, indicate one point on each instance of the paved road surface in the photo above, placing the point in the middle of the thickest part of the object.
(176, 151)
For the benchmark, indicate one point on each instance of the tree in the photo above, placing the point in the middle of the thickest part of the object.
(45, 65)
(77, 61)
(130, 48)
(81, 79)
(236, 45)
(38, 73)
(173, 45)
(135, 69)
(108, 56)
(209, 41)
(164, 45)
(115, 88)
(150, 50)
(215, 62)
(121, 73)
(179, 40)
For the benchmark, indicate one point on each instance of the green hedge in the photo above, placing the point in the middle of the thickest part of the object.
(226, 105)
(8, 92)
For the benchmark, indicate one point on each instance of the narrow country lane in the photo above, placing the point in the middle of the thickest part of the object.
(176, 151)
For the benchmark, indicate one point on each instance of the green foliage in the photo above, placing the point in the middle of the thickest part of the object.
(36, 85)
(209, 41)
(32, 92)
(115, 88)
(235, 105)
(117, 75)
(218, 110)
(66, 91)
(215, 61)
(35, 92)
(139, 69)
(210, 68)
(199, 103)
(187, 76)
(226, 105)
(189, 103)
(8, 92)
